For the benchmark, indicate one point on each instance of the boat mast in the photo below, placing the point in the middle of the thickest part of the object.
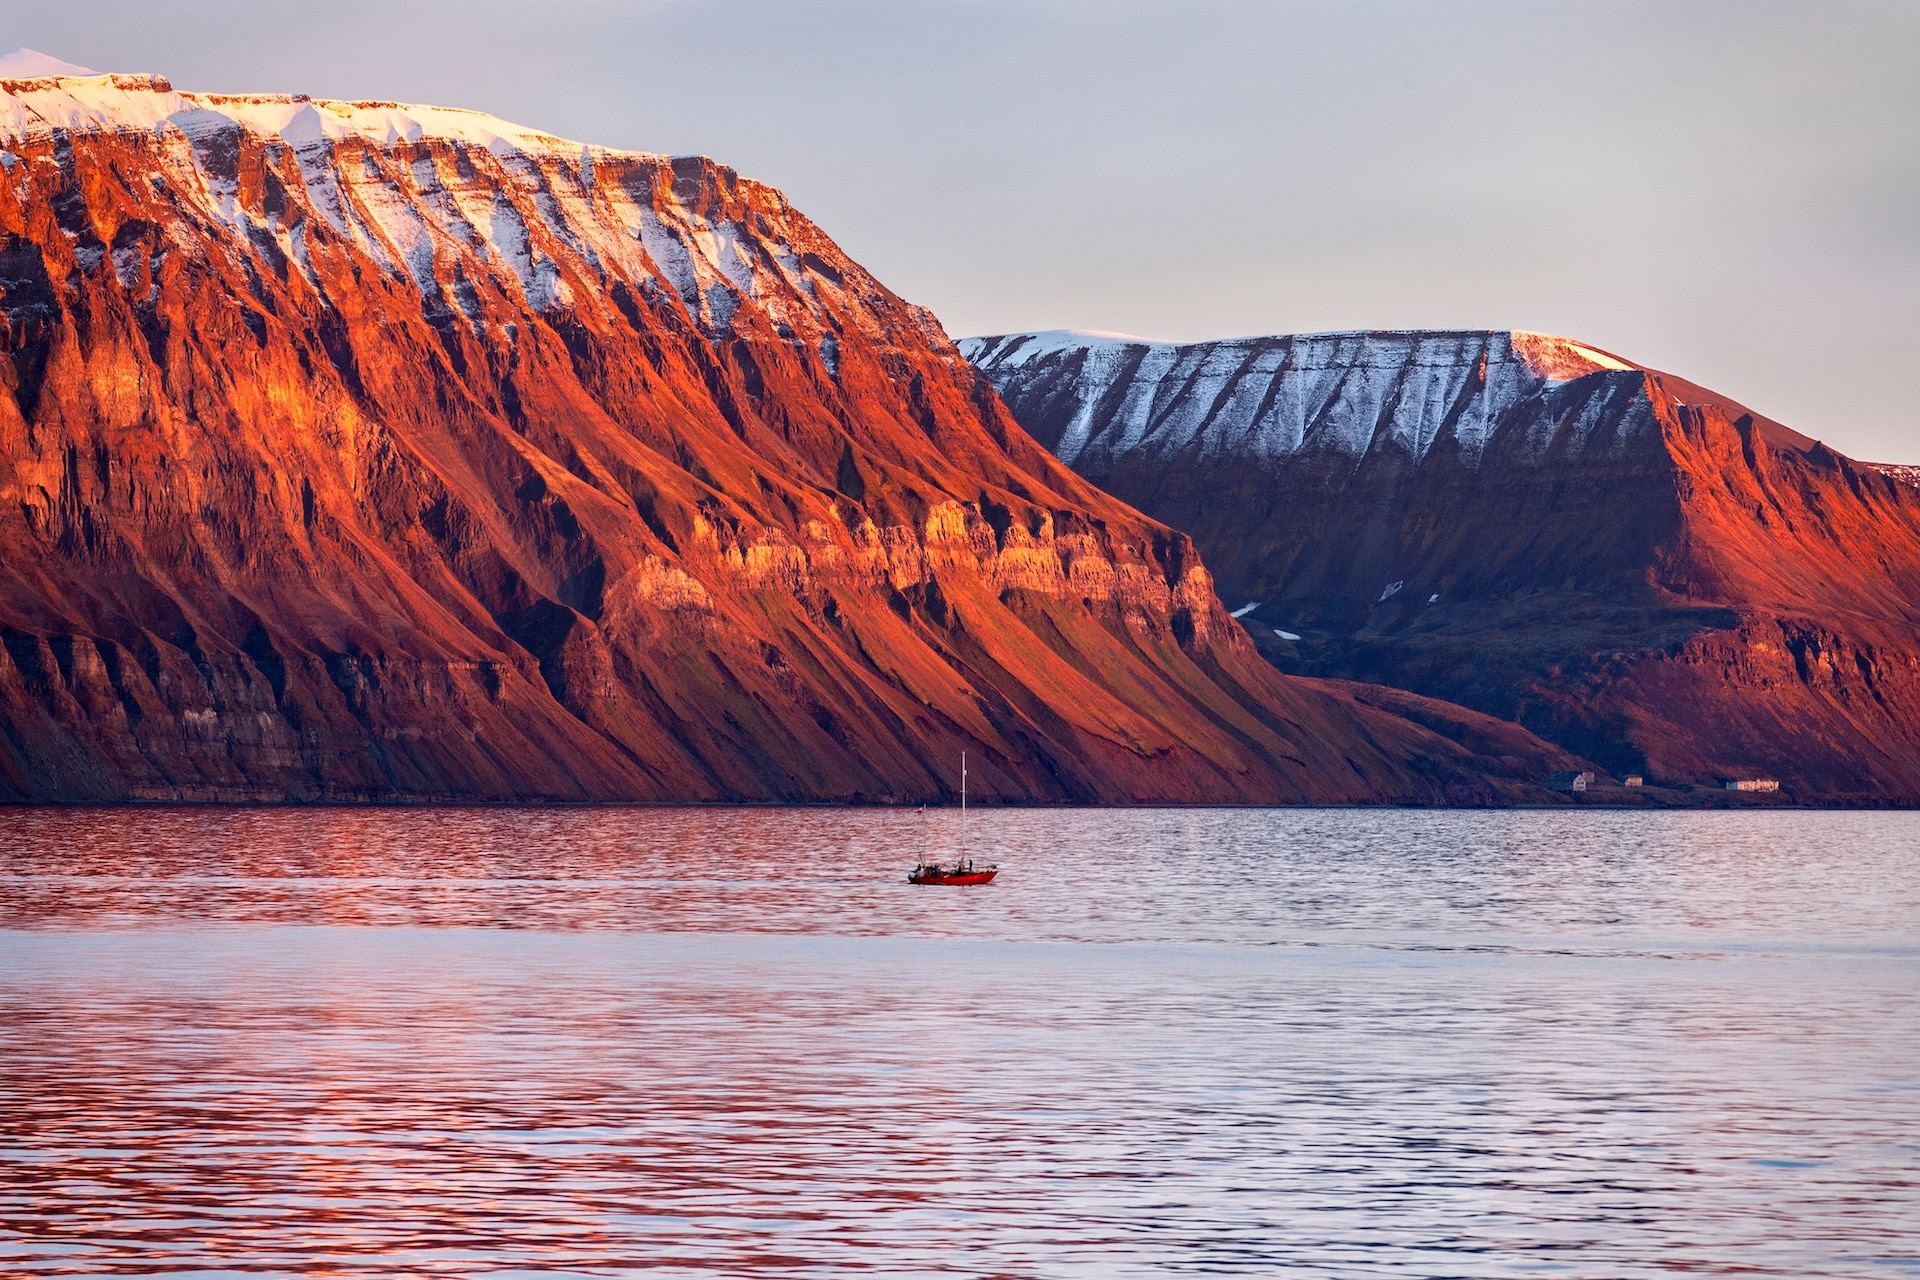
(963, 804)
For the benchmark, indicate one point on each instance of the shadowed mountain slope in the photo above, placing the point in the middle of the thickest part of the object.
(1626, 563)
(362, 451)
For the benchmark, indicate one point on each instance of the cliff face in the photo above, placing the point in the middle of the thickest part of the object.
(361, 451)
(1632, 566)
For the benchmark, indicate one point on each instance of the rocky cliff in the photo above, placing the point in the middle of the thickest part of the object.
(1629, 564)
(366, 451)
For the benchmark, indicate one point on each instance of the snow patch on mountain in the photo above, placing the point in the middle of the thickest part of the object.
(1561, 359)
(1906, 475)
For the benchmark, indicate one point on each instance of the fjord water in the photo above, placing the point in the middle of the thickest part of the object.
(706, 1041)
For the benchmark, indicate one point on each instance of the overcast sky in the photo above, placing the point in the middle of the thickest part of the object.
(1730, 191)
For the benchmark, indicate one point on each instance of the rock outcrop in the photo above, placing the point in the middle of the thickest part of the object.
(1630, 565)
(359, 451)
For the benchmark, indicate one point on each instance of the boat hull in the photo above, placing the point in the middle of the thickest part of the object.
(931, 876)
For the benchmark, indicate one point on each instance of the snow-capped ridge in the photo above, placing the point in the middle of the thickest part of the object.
(38, 92)
(407, 185)
(31, 64)
(1554, 358)
(1349, 392)
(118, 102)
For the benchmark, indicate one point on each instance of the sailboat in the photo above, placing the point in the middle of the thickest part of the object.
(962, 871)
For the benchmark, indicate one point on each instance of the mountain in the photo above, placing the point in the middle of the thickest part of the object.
(1632, 566)
(364, 451)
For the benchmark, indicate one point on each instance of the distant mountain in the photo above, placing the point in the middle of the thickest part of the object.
(370, 451)
(1632, 566)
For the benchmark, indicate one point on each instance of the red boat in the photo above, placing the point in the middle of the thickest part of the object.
(962, 871)
(958, 873)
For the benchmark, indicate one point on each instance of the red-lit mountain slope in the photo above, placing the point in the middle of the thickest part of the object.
(1626, 563)
(364, 451)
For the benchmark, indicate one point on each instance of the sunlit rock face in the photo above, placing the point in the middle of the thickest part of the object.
(1627, 563)
(367, 451)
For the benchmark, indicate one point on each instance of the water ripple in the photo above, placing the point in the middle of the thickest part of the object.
(724, 1042)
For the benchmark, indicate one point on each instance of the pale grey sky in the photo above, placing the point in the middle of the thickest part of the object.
(1730, 191)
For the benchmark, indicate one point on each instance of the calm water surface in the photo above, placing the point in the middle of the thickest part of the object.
(712, 1042)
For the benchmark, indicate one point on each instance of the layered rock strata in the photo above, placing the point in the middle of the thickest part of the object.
(359, 451)
(1631, 565)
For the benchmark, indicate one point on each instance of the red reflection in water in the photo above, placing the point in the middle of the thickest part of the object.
(726, 1042)
(271, 1099)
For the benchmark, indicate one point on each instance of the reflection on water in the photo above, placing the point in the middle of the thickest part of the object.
(721, 1042)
